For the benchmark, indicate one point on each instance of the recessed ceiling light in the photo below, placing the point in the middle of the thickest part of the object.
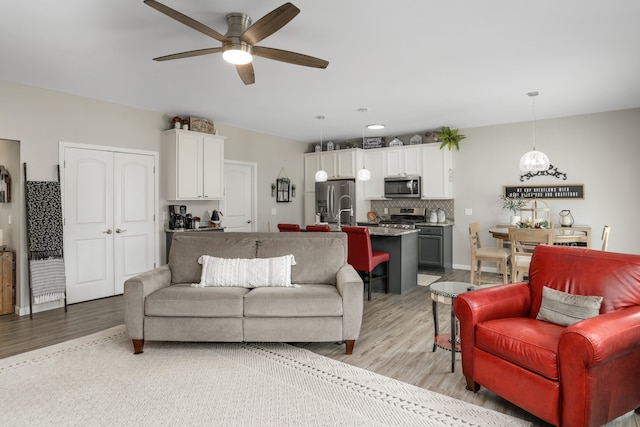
(375, 126)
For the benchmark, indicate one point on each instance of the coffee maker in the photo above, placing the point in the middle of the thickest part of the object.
(177, 214)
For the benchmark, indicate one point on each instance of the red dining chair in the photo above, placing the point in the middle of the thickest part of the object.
(318, 227)
(363, 258)
(288, 228)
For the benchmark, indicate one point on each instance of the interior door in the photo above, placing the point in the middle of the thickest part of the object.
(88, 231)
(109, 204)
(134, 220)
(238, 206)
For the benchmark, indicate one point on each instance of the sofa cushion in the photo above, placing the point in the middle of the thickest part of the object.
(184, 301)
(566, 309)
(186, 248)
(524, 342)
(245, 272)
(304, 301)
(318, 255)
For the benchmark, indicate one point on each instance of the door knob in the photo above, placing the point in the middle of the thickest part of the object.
(249, 221)
(120, 231)
(107, 232)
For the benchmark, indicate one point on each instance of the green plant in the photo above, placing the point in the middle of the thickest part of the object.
(512, 204)
(449, 137)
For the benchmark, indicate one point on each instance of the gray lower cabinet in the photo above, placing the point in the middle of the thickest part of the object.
(403, 268)
(435, 249)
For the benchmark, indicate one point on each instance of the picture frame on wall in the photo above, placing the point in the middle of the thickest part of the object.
(283, 190)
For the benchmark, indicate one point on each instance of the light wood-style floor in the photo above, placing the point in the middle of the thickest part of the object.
(396, 341)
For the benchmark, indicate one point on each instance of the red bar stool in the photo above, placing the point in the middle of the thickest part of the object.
(318, 227)
(288, 228)
(363, 258)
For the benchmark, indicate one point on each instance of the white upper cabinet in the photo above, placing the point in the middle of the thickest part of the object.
(346, 163)
(437, 172)
(195, 165)
(311, 166)
(434, 165)
(337, 164)
(374, 161)
(404, 160)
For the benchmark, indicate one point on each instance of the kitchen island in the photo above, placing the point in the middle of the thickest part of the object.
(402, 246)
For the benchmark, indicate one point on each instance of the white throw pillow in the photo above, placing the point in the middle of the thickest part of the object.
(566, 309)
(246, 272)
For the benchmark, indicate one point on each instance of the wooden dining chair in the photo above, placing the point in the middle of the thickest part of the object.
(363, 258)
(500, 256)
(288, 228)
(523, 242)
(605, 237)
(318, 227)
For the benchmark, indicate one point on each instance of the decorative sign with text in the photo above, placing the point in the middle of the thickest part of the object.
(373, 142)
(545, 191)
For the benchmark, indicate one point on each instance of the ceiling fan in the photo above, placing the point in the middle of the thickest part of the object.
(239, 43)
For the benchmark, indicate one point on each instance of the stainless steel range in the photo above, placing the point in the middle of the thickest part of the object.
(404, 218)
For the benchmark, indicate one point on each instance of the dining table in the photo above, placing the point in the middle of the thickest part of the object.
(580, 234)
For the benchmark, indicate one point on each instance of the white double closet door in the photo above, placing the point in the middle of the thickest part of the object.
(109, 212)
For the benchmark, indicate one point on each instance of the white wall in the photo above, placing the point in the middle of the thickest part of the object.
(601, 151)
(10, 159)
(272, 154)
(39, 119)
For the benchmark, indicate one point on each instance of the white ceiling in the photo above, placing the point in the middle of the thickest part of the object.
(416, 65)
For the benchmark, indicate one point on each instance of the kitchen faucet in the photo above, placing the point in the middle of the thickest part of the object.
(350, 209)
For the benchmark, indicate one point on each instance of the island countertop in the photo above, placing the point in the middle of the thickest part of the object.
(384, 231)
(381, 231)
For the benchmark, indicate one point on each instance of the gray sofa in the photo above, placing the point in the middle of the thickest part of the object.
(161, 305)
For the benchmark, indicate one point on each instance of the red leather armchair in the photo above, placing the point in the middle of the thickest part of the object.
(585, 374)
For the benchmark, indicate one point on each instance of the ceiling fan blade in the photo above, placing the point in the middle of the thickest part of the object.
(190, 22)
(189, 54)
(290, 57)
(270, 23)
(246, 73)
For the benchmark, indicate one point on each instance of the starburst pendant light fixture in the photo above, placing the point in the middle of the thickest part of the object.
(321, 174)
(533, 161)
(363, 174)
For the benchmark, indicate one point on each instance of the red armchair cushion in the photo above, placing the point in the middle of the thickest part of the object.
(525, 342)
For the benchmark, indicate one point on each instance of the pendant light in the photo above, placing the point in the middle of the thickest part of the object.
(533, 161)
(363, 174)
(321, 174)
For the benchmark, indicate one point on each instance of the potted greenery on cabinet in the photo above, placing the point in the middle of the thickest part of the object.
(449, 137)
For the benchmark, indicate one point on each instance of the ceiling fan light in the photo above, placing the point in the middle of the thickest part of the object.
(533, 161)
(364, 174)
(237, 56)
(321, 176)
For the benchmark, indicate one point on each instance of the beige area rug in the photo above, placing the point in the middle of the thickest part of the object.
(427, 279)
(96, 380)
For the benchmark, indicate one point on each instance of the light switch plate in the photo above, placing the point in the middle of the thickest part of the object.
(468, 211)
(273, 211)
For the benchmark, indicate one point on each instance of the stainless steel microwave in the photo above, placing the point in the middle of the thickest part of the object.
(402, 186)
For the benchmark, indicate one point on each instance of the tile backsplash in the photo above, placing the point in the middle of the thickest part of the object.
(447, 205)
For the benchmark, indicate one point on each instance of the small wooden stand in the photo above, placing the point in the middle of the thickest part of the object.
(7, 280)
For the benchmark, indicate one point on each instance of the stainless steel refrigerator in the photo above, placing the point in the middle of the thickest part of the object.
(336, 197)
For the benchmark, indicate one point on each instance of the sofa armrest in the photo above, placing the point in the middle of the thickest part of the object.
(136, 290)
(496, 302)
(351, 287)
(595, 354)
